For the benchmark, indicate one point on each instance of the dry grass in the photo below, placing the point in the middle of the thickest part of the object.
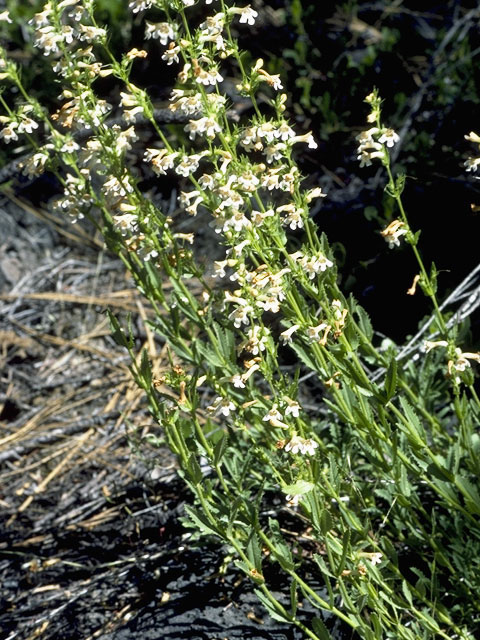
(67, 400)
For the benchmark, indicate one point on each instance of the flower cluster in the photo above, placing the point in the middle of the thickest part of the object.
(16, 123)
(459, 361)
(296, 444)
(374, 142)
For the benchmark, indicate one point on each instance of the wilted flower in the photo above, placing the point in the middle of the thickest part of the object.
(393, 233)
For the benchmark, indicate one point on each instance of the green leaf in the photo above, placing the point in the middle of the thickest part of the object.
(226, 342)
(433, 277)
(313, 507)
(145, 368)
(320, 629)
(391, 379)
(153, 279)
(407, 593)
(117, 332)
(200, 521)
(390, 550)
(220, 449)
(293, 597)
(187, 304)
(364, 322)
(415, 432)
(325, 521)
(470, 494)
(304, 356)
(281, 550)
(254, 551)
(400, 183)
(422, 583)
(345, 550)
(208, 354)
(322, 565)
(182, 351)
(475, 444)
(439, 469)
(371, 213)
(270, 607)
(193, 470)
(299, 488)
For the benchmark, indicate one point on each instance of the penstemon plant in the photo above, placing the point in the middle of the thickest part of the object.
(381, 472)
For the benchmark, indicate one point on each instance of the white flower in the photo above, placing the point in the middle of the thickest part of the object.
(240, 315)
(220, 268)
(273, 414)
(34, 165)
(393, 233)
(428, 345)
(299, 445)
(188, 165)
(309, 447)
(186, 104)
(286, 336)
(224, 406)
(206, 181)
(139, 5)
(272, 80)
(207, 125)
(315, 264)
(471, 164)
(293, 408)
(473, 137)
(376, 558)
(115, 188)
(237, 381)
(315, 193)
(248, 181)
(294, 217)
(47, 39)
(389, 137)
(236, 221)
(210, 77)
(275, 152)
(313, 333)
(126, 223)
(5, 17)
(171, 54)
(308, 138)
(70, 146)
(266, 130)
(212, 26)
(271, 179)
(162, 31)
(90, 33)
(284, 132)
(247, 15)
(8, 133)
(162, 160)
